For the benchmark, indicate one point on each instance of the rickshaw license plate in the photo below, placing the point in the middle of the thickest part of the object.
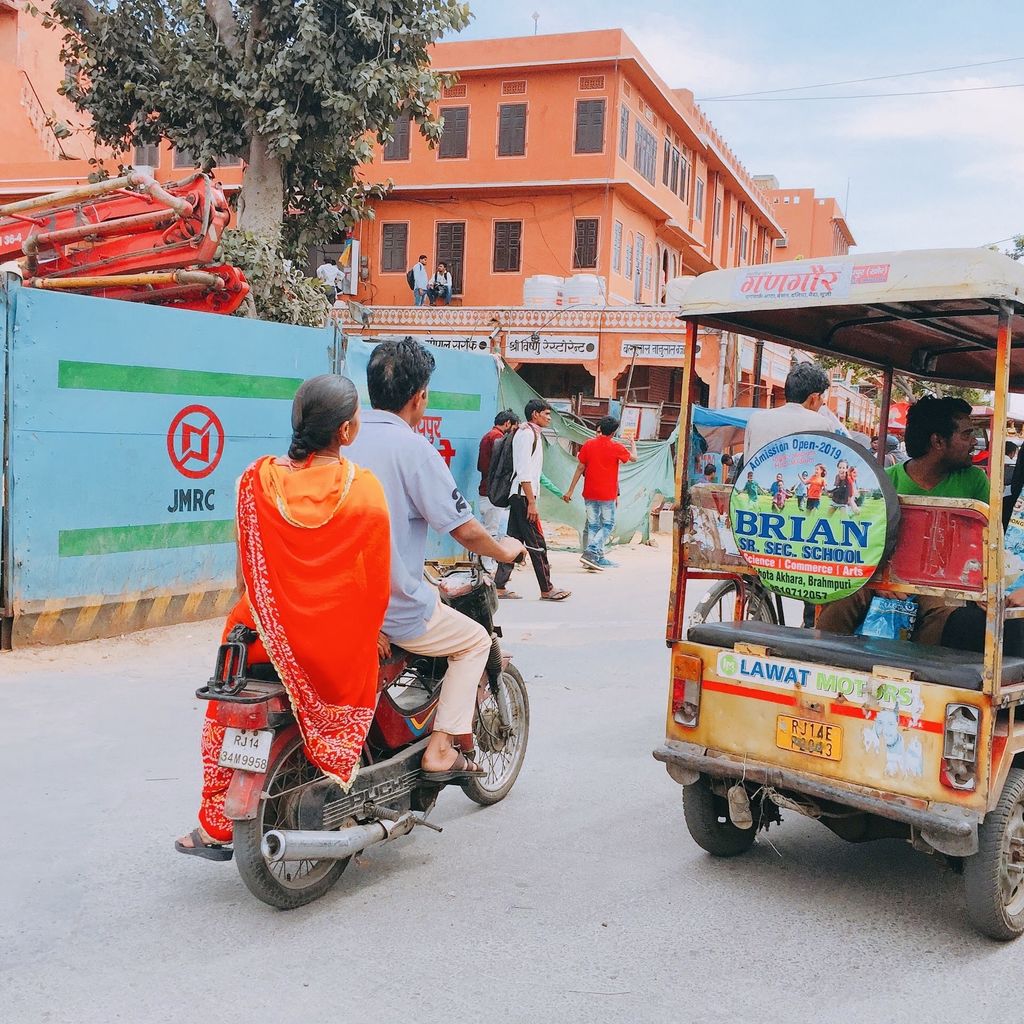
(248, 749)
(807, 737)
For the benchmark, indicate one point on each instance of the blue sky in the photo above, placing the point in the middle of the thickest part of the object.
(922, 171)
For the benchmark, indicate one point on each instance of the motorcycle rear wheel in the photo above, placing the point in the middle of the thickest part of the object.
(288, 884)
(500, 752)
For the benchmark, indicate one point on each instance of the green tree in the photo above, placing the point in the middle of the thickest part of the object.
(1017, 252)
(297, 88)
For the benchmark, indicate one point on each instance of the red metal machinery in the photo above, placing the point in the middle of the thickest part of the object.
(127, 238)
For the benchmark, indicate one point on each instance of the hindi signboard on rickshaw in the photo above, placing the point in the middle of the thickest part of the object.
(901, 735)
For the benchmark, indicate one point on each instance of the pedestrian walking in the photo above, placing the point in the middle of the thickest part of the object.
(599, 461)
(495, 519)
(523, 520)
(417, 278)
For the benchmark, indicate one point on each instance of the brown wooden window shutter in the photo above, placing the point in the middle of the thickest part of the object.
(455, 140)
(394, 248)
(589, 126)
(512, 129)
(398, 147)
(508, 237)
(584, 252)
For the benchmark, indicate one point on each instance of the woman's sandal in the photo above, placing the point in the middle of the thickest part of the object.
(461, 768)
(201, 848)
(556, 595)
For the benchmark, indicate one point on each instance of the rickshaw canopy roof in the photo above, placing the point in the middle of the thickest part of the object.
(932, 313)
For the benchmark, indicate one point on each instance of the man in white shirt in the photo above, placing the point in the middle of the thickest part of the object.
(523, 519)
(330, 275)
(441, 286)
(805, 396)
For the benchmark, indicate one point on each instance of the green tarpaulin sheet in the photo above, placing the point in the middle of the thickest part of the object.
(641, 483)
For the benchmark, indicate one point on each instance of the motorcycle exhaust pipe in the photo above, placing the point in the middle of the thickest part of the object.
(287, 845)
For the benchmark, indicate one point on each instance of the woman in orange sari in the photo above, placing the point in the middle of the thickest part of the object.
(314, 557)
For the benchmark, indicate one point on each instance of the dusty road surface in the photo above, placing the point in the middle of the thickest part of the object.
(580, 898)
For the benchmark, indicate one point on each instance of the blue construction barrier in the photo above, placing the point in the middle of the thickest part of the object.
(126, 427)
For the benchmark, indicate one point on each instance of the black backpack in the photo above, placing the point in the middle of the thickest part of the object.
(501, 471)
(411, 278)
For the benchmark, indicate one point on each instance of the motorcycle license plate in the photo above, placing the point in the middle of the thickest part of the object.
(807, 737)
(248, 749)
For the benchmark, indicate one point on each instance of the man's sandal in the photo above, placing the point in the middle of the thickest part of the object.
(556, 595)
(201, 848)
(461, 769)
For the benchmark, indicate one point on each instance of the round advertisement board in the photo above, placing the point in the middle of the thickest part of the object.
(815, 515)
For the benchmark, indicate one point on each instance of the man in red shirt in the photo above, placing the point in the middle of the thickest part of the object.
(495, 519)
(599, 466)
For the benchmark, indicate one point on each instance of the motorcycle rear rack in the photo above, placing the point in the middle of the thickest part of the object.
(230, 682)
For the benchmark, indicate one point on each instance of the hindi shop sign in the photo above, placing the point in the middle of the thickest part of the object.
(815, 281)
(671, 350)
(551, 348)
(815, 516)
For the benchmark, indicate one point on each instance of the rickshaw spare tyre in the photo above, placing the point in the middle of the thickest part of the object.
(707, 818)
(994, 876)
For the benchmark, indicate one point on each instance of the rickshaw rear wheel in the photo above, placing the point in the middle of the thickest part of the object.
(994, 876)
(707, 818)
(719, 603)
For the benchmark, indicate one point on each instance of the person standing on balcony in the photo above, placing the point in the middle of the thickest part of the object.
(441, 286)
(418, 280)
(330, 276)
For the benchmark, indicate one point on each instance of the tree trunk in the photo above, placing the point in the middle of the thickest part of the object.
(261, 205)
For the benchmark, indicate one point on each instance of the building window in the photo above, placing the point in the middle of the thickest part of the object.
(732, 231)
(584, 246)
(591, 83)
(698, 200)
(516, 88)
(684, 177)
(455, 92)
(718, 215)
(398, 147)
(394, 248)
(673, 181)
(617, 246)
(645, 152)
(627, 270)
(743, 243)
(648, 271)
(589, 126)
(508, 239)
(451, 250)
(148, 155)
(183, 158)
(455, 140)
(666, 161)
(796, 200)
(624, 133)
(512, 129)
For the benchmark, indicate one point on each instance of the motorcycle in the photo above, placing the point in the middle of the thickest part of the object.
(295, 830)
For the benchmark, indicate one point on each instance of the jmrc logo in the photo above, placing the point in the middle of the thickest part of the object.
(195, 441)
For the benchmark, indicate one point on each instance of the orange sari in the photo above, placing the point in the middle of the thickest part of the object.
(315, 552)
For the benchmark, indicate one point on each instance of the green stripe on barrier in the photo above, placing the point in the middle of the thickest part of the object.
(157, 380)
(110, 540)
(453, 401)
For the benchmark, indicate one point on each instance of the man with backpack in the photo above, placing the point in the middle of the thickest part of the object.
(494, 518)
(520, 460)
(417, 278)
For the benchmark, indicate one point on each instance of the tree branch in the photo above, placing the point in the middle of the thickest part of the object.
(85, 11)
(223, 17)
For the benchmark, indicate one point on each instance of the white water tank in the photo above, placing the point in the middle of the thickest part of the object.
(542, 291)
(583, 290)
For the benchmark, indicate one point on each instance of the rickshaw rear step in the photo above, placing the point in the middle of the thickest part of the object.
(942, 665)
(952, 830)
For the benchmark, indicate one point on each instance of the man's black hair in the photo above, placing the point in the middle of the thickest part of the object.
(533, 406)
(804, 380)
(928, 416)
(327, 259)
(506, 416)
(607, 425)
(709, 470)
(422, 256)
(727, 459)
(396, 371)
(1010, 450)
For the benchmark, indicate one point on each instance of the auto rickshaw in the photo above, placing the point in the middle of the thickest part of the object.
(874, 737)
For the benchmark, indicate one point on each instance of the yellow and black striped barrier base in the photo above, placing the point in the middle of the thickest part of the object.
(66, 622)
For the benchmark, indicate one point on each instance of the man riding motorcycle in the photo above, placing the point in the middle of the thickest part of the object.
(422, 492)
